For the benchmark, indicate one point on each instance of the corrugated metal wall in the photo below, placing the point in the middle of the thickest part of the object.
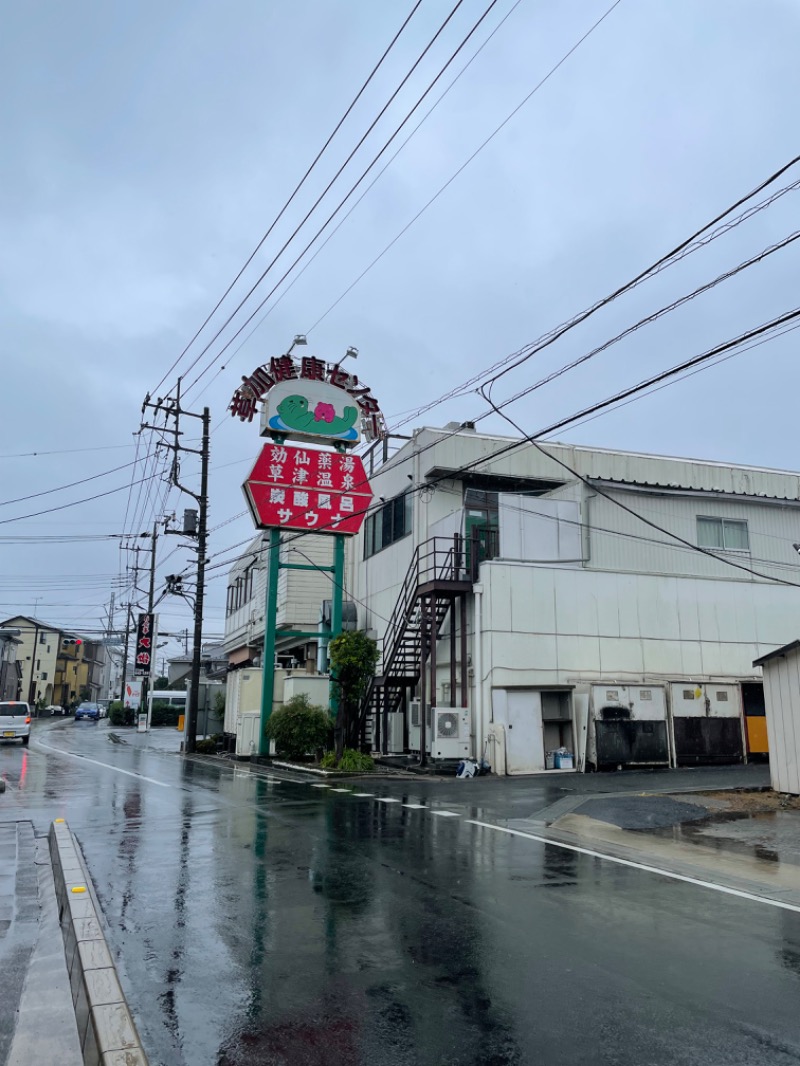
(634, 546)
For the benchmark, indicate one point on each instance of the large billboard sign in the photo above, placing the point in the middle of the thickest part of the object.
(301, 488)
(309, 400)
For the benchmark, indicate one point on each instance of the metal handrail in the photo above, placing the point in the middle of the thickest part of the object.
(437, 559)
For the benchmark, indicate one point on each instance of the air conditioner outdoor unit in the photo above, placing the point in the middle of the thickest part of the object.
(451, 734)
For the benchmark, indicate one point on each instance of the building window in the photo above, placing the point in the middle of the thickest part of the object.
(389, 523)
(725, 534)
(42, 638)
(44, 676)
(241, 591)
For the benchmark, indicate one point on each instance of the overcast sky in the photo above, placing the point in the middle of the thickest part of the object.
(147, 147)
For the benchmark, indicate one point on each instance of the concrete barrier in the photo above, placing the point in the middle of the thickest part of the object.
(106, 1029)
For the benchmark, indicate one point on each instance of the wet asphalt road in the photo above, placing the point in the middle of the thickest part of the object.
(266, 921)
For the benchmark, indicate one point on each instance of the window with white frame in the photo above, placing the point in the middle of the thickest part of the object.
(723, 534)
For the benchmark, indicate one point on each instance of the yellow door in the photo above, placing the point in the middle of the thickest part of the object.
(757, 743)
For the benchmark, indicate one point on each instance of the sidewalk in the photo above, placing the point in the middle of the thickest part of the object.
(37, 1019)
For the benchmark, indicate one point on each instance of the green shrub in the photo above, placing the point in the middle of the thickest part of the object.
(164, 714)
(299, 728)
(206, 747)
(356, 762)
(119, 714)
(352, 761)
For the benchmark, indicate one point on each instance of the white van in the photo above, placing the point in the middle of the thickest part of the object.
(15, 721)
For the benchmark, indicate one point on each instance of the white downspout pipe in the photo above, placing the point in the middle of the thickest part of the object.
(477, 659)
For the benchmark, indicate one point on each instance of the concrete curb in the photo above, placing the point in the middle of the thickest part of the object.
(106, 1029)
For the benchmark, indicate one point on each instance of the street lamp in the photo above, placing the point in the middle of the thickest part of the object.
(351, 352)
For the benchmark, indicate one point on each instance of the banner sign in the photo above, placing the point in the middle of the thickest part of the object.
(132, 694)
(145, 645)
(299, 488)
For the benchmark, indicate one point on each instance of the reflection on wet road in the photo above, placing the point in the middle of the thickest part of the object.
(266, 921)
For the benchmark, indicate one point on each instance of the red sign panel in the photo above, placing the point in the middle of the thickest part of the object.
(300, 488)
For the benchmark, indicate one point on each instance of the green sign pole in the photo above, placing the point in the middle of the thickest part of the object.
(336, 610)
(270, 617)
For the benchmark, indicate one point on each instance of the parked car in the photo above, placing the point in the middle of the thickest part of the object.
(15, 721)
(87, 710)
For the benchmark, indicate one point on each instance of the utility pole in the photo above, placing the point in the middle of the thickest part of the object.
(151, 595)
(127, 607)
(34, 653)
(202, 536)
(172, 409)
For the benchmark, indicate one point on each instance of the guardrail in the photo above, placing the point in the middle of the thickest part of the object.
(106, 1030)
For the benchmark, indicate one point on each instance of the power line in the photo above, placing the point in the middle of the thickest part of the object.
(710, 231)
(666, 309)
(513, 445)
(296, 190)
(71, 485)
(531, 439)
(74, 503)
(321, 196)
(341, 203)
(374, 181)
(467, 162)
(698, 370)
(664, 375)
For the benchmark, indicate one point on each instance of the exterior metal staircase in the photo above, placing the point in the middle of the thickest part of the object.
(436, 576)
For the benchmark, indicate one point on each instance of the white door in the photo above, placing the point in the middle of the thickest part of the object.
(524, 733)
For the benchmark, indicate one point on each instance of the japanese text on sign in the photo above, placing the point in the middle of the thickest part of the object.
(299, 488)
(143, 653)
(255, 387)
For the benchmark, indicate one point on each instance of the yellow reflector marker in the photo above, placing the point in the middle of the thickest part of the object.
(78, 888)
(59, 820)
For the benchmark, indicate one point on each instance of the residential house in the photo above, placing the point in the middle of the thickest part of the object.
(37, 656)
(10, 669)
(605, 603)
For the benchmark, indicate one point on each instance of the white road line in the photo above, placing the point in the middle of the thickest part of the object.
(363, 795)
(320, 786)
(96, 762)
(446, 814)
(387, 799)
(340, 790)
(640, 866)
(415, 806)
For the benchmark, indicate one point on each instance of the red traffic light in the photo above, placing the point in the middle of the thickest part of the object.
(78, 641)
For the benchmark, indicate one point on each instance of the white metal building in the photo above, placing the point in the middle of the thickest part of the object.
(782, 690)
(561, 619)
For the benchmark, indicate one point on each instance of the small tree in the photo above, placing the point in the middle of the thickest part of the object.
(299, 727)
(354, 657)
